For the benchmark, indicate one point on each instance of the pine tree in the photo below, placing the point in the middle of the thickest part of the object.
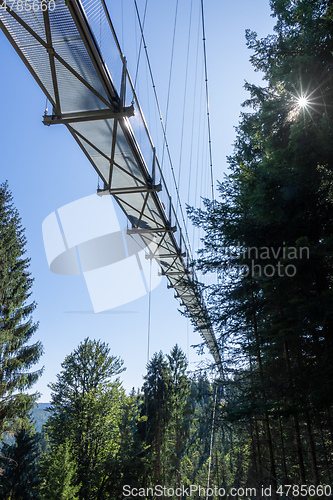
(156, 407)
(19, 464)
(127, 467)
(16, 323)
(178, 426)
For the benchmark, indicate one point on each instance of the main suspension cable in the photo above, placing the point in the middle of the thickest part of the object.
(162, 124)
(140, 46)
(207, 97)
(184, 103)
(170, 72)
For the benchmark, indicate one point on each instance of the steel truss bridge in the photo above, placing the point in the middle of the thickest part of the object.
(71, 49)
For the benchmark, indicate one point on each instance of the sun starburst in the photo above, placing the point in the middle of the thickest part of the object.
(303, 101)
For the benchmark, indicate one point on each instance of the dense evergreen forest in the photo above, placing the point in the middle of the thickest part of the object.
(269, 238)
(266, 421)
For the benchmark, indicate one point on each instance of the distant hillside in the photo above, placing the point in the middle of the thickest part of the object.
(39, 417)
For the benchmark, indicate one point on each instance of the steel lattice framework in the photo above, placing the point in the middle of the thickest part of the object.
(87, 83)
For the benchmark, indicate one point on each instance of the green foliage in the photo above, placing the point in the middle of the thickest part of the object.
(276, 328)
(58, 472)
(156, 408)
(128, 465)
(178, 426)
(18, 465)
(17, 357)
(87, 411)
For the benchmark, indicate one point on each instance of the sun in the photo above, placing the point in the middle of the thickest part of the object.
(303, 101)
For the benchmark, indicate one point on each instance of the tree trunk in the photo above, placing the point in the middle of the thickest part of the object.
(266, 416)
(254, 450)
(258, 448)
(284, 463)
(295, 418)
(329, 419)
(312, 449)
(325, 451)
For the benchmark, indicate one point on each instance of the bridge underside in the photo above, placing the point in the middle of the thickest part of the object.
(87, 84)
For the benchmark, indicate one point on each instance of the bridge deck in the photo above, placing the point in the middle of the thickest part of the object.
(88, 84)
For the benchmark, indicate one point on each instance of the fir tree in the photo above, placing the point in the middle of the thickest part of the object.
(178, 427)
(156, 407)
(19, 464)
(16, 324)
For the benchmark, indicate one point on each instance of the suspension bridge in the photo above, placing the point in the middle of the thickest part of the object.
(78, 63)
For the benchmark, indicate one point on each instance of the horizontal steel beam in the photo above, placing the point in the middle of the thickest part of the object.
(143, 230)
(87, 116)
(130, 190)
(175, 273)
(165, 255)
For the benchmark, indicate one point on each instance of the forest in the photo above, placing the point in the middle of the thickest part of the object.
(264, 427)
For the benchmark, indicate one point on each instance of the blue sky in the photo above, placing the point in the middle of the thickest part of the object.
(46, 169)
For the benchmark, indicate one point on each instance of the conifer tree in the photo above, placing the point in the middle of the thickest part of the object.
(19, 464)
(17, 327)
(179, 408)
(157, 410)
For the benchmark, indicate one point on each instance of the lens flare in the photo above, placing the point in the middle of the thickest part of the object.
(303, 102)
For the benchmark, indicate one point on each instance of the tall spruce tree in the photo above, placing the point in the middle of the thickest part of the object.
(19, 465)
(178, 427)
(17, 357)
(156, 407)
